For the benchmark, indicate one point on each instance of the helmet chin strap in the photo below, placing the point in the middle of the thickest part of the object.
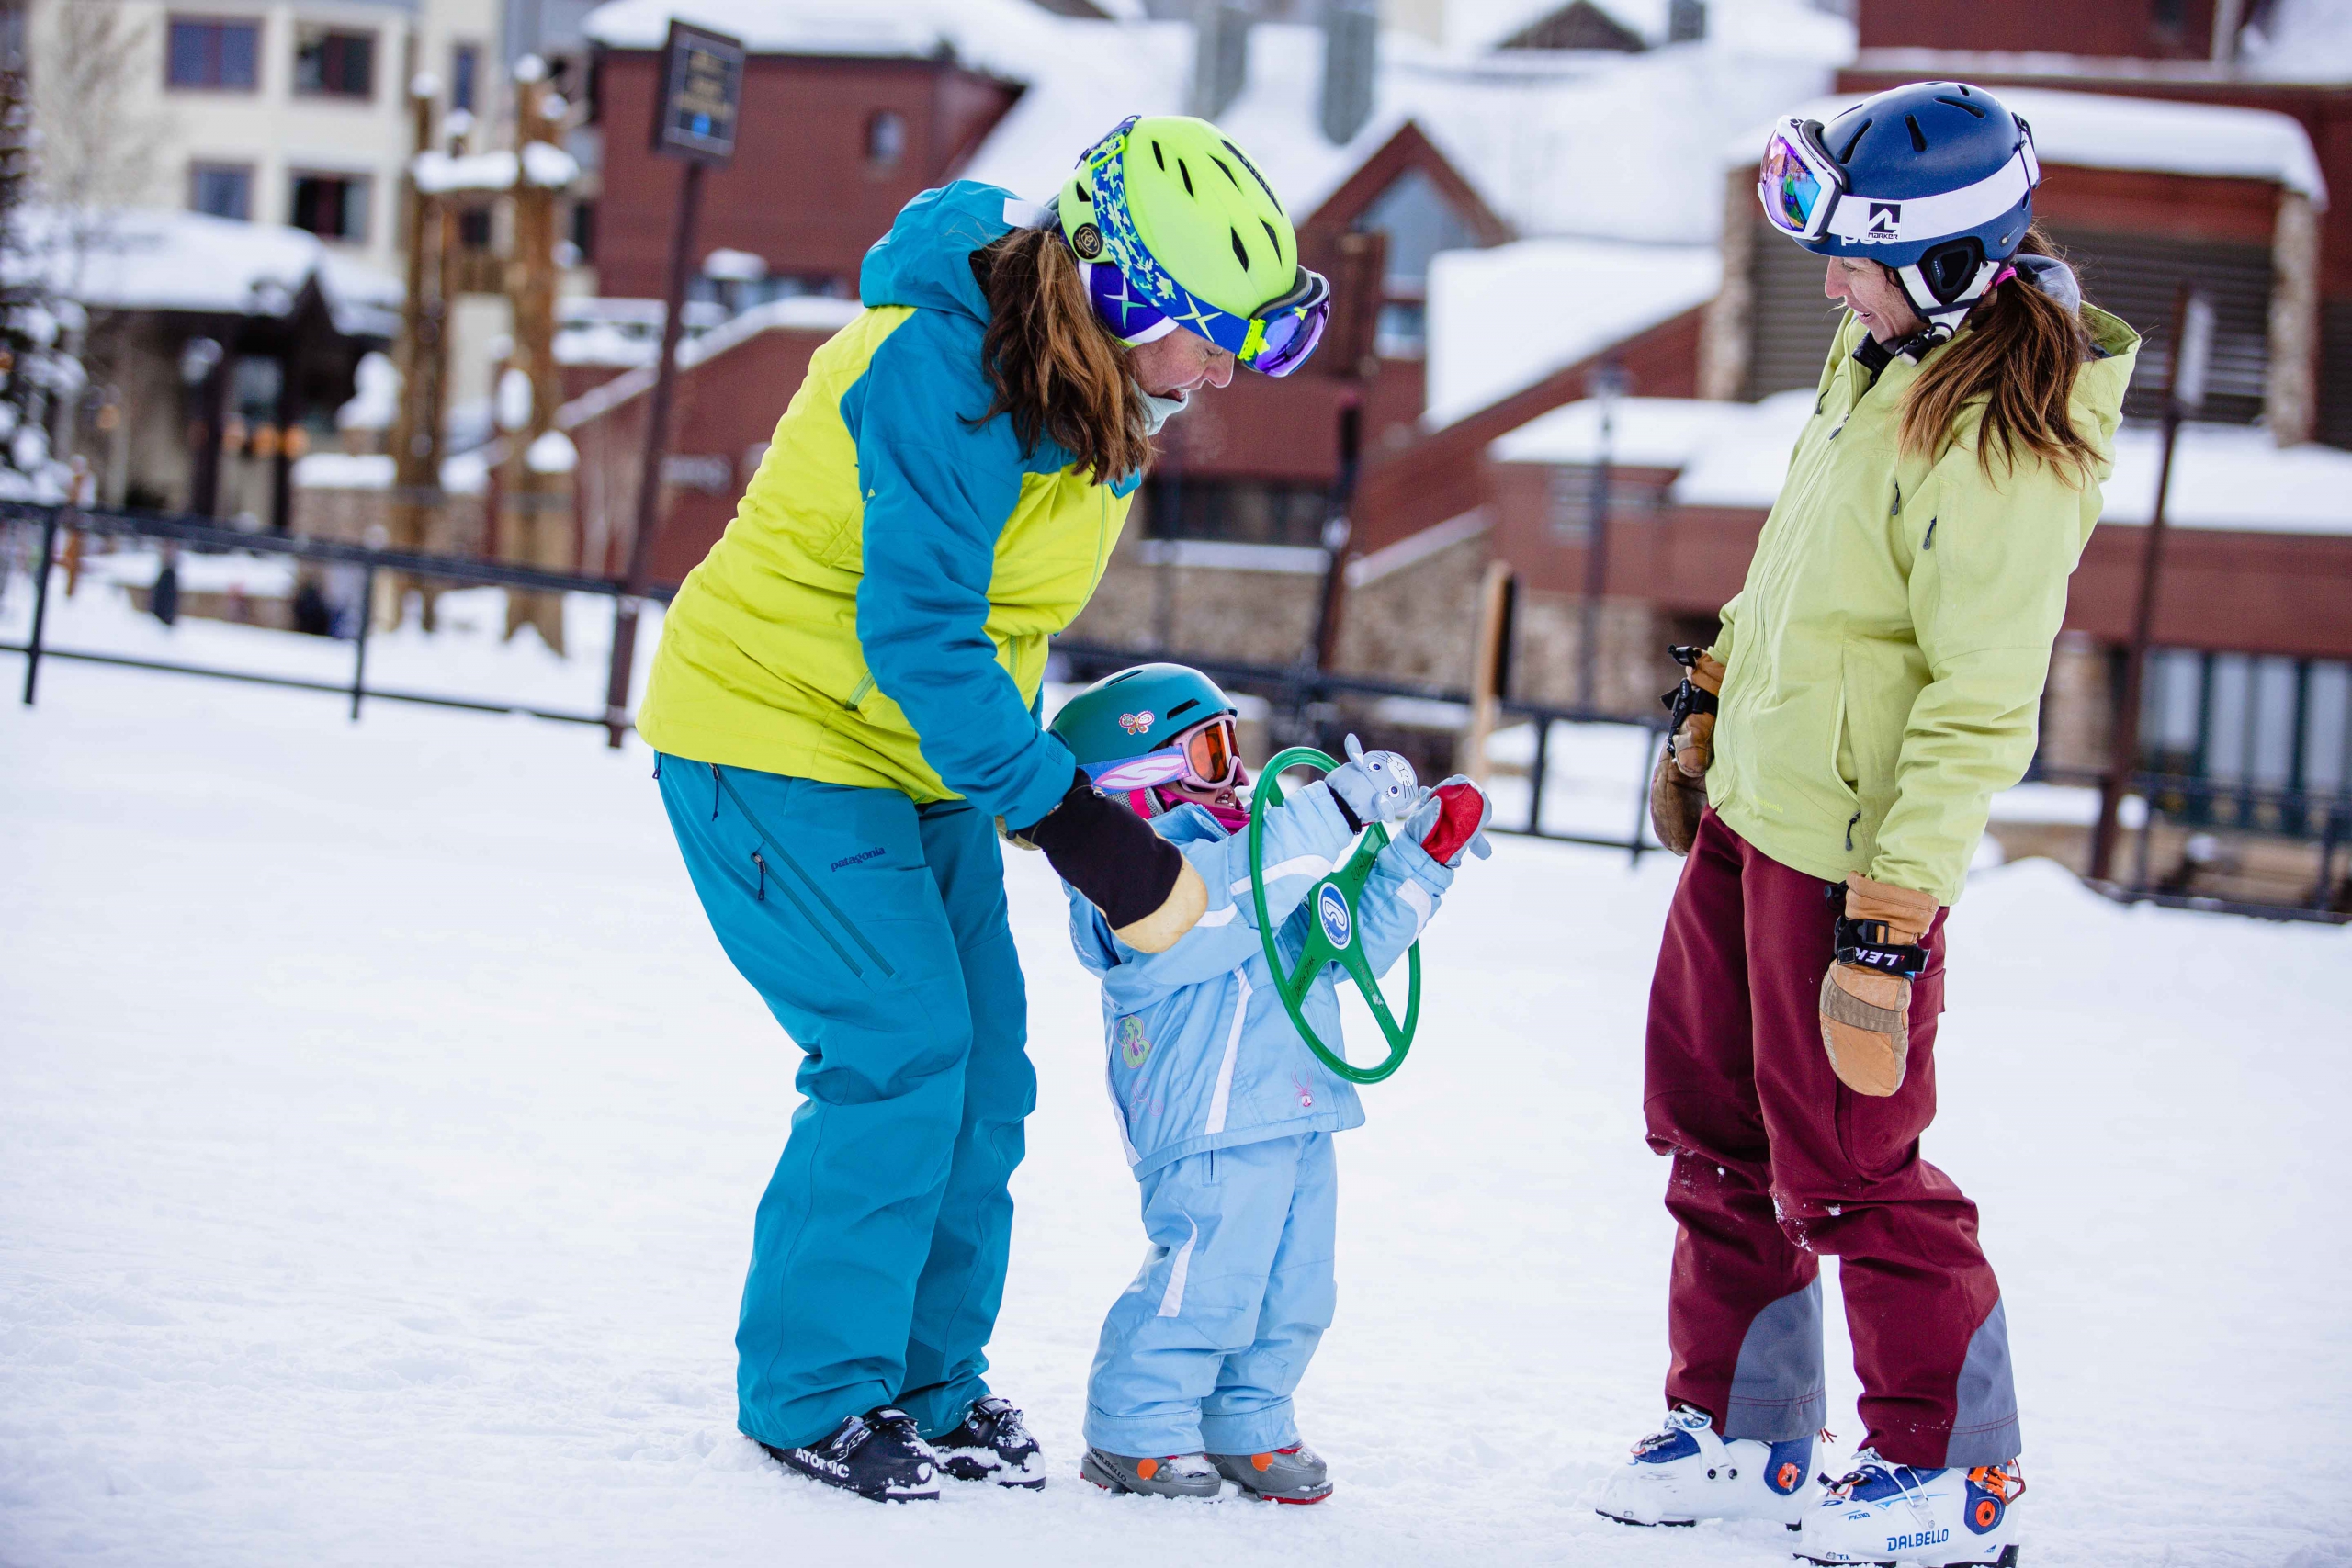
(1943, 316)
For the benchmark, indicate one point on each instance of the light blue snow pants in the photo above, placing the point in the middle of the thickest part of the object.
(874, 930)
(1205, 1350)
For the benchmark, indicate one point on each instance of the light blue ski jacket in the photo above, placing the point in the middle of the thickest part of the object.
(1202, 1054)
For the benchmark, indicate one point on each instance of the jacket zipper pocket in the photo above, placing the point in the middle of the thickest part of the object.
(805, 913)
(784, 858)
(864, 687)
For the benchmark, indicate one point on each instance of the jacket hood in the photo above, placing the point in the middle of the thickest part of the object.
(925, 259)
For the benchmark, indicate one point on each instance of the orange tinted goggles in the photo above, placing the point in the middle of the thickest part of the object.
(1211, 756)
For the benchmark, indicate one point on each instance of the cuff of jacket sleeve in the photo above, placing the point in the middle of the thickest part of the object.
(1052, 768)
(1405, 853)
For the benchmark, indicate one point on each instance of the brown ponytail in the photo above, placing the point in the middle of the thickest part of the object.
(2021, 357)
(1056, 370)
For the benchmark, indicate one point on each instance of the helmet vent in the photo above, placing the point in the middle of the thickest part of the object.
(1124, 675)
(1085, 194)
(1918, 137)
(1187, 704)
(1243, 159)
(1240, 251)
(1976, 109)
(1227, 169)
(1845, 153)
(1158, 157)
(1273, 239)
(1188, 178)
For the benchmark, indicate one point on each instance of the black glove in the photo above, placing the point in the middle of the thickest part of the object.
(1147, 890)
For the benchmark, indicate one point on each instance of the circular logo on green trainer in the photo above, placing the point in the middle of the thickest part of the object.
(1133, 1047)
(1331, 908)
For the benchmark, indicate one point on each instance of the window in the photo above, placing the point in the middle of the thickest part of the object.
(886, 136)
(584, 229)
(332, 64)
(1237, 512)
(225, 191)
(333, 206)
(223, 56)
(465, 70)
(1419, 223)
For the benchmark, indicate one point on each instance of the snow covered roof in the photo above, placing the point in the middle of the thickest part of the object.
(2228, 477)
(2099, 130)
(1643, 432)
(806, 312)
(157, 259)
(1503, 318)
(1638, 133)
(1007, 37)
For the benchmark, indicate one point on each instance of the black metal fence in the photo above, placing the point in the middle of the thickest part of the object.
(202, 536)
(1307, 706)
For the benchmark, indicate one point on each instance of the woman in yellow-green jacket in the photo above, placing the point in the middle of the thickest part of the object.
(846, 701)
(1876, 681)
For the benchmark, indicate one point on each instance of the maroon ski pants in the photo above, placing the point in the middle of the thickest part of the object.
(1775, 1162)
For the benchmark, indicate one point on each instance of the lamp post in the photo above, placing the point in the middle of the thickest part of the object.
(2192, 354)
(702, 86)
(1607, 384)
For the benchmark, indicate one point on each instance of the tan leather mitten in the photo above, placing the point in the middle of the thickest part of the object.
(1679, 788)
(1866, 995)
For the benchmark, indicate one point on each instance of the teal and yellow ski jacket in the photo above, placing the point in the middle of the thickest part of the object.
(876, 615)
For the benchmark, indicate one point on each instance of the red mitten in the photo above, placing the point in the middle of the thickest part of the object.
(1450, 821)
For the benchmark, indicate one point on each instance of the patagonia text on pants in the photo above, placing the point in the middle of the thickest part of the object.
(1775, 1162)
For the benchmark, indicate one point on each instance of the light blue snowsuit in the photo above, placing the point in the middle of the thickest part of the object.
(1226, 1118)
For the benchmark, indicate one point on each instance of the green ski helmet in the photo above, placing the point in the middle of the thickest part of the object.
(1194, 235)
(1135, 712)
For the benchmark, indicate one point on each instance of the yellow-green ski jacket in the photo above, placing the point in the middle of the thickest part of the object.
(1886, 659)
(876, 615)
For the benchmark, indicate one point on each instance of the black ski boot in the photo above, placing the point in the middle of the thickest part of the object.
(876, 1455)
(992, 1445)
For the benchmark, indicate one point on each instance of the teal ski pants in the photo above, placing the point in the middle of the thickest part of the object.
(874, 930)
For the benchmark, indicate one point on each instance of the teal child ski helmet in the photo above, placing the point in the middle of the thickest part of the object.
(1136, 711)
(1934, 181)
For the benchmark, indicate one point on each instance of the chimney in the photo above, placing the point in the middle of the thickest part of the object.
(1220, 56)
(1686, 21)
(1350, 53)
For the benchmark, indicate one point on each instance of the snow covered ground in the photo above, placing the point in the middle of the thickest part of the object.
(380, 1126)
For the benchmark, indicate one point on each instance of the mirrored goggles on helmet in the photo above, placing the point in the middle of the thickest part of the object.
(1807, 194)
(1205, 756)
(1274, 340)
(1798, 182)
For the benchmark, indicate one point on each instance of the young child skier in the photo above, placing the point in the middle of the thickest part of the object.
(1225, 1115)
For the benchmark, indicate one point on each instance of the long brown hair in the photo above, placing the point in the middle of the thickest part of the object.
(1056, 370)
(2021, 357)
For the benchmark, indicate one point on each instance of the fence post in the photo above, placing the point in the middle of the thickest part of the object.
(1543, 771)
(359, 660)
(40, 604)
(1642, 799)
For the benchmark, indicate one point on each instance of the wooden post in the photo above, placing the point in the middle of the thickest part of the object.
(422, 357)
(538, 527)
(1486, 692)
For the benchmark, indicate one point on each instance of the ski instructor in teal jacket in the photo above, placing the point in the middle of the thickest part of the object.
(846, 706)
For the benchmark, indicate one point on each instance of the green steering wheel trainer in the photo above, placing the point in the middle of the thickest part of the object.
(1332, 933)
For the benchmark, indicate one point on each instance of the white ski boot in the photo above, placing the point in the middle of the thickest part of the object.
(1684, 1472)
(1883, 1512)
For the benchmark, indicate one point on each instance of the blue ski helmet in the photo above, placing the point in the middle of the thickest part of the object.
(1934, 180)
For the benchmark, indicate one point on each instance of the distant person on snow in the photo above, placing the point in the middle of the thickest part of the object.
(1874, 684)
(1225, 1115)
(846, 704)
